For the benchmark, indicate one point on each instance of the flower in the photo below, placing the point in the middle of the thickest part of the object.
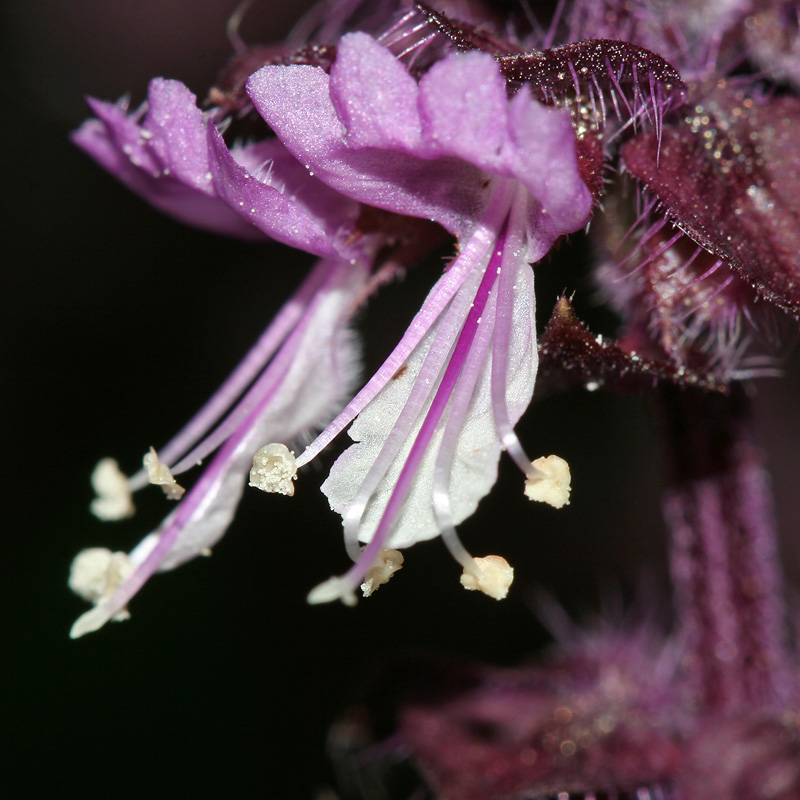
(172, 156)
(302, 366)
(676, 122)
(503, 176)
(598, 716)
(699, 248)
(432, 421)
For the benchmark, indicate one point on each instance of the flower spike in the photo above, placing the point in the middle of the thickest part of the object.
(379, 129)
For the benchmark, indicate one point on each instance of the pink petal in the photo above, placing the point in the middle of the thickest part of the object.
(463, 104)
(286, 203)
(542, 154)
(296, 103)
(374, 96)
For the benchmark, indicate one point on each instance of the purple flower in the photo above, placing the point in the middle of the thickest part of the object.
(700, 226)
(503, 176)
(427, 149)
(301, 369)
(422, 123)
(603, 714)
(172, 156)
(599, 716)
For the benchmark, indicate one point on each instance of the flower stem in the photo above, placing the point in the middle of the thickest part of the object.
(724, 560)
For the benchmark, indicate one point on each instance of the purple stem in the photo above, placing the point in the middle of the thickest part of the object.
(725, 569)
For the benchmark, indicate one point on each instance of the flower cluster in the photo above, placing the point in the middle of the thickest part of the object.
(369, 137)
(358, 146)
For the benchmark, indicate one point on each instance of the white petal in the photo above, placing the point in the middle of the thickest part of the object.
(335, 588)
(474, 470)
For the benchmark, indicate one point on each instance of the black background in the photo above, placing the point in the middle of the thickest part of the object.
(117, 324)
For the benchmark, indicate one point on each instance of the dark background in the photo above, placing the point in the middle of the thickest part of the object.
(117, 324)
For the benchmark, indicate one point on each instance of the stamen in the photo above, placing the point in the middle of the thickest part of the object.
(551, 483)
(423, 385)
(237, 382)
(440, 401)
(493, 576)
(461, 323)
(270, 379)
(155, 549)
(274, 470)
(159, 474)
(389, 561)
(502, 339)
(113, 499)
(318, 347)
(460, 405)
(441, 294)
(96, 573)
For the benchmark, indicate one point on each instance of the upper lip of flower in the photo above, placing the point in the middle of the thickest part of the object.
(172, 155)
(428, 149)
